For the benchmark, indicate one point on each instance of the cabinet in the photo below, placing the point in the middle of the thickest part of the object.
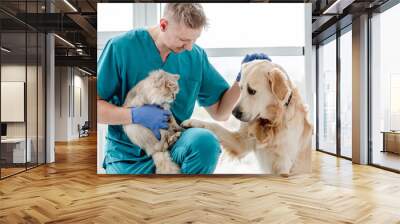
(391, 141)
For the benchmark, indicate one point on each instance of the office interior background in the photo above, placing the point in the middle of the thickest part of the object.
(349, 75)
(48, 80)
(48, 68)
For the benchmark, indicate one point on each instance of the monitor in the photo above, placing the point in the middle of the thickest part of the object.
(3, 129)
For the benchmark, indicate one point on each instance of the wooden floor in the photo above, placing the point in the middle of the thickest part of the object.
(5, 172)
(70, 191)
(10, 171)
(387, 159)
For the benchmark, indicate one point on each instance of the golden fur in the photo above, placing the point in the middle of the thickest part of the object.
(274, 123)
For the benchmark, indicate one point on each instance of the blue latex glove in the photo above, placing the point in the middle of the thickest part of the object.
(152, 117)
(252, 57)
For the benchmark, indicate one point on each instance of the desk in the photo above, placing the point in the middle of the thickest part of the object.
(391, 141)
(13, 150)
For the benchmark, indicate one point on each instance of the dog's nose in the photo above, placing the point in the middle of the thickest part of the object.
(237, 113)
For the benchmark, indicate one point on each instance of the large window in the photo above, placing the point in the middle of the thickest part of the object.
(385, 89)
(253, 25)
(346, 94)
(335, 73)
(327, 97)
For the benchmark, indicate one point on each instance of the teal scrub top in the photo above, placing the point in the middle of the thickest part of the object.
(128, 59)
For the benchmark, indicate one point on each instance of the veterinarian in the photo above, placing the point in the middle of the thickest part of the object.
(128, 59)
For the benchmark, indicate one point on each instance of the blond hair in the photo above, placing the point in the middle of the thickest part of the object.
(190, 14)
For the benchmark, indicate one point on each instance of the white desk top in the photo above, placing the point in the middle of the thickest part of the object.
(13, 140)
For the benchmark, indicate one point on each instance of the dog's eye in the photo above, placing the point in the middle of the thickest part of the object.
(251, 91)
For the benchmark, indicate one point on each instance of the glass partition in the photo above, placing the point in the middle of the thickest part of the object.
(22, 88)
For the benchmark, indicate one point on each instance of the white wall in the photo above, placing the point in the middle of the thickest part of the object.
(33, 126)
(68, 79)
(12, 73)
(61, 105)
(82, 83)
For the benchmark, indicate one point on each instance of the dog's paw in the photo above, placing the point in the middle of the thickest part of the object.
(286, 175)
(193, 123)
(168, 168)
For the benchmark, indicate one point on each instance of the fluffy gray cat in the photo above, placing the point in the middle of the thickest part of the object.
(159, 88)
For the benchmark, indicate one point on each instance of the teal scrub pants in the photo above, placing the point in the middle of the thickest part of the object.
(196, 152)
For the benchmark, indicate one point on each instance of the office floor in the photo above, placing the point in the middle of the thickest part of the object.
(9, 171)
(70, 191)
(13, 170)
(387, 159)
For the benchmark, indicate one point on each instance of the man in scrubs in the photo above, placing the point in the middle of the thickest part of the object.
(128, 59)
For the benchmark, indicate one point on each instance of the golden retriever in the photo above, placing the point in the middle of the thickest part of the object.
(274, 121)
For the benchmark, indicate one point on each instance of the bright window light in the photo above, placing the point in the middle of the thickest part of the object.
(327, 97)
(114, 17)
(253, 25)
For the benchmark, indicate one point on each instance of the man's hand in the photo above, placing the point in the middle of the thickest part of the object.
(252, 57)
(152, 117)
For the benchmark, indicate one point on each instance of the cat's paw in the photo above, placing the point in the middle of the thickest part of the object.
(173, 138)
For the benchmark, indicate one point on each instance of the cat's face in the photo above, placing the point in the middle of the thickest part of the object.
(162, 87)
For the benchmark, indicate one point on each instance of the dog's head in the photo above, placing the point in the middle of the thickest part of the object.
(160, 87)
(264, 91)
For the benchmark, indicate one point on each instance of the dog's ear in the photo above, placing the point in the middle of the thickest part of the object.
(279, 85)
(243, 69)
(245, 65)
